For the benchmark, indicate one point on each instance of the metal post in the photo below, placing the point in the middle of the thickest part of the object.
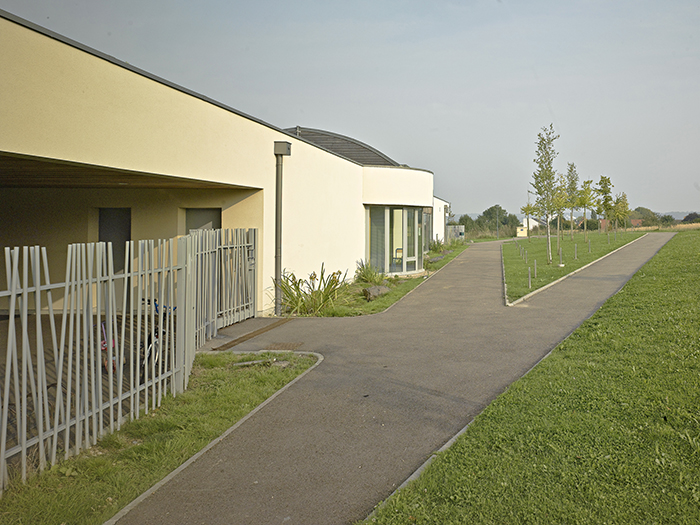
(535, 268)
(529, 278)
(281, 149)
(278, 235)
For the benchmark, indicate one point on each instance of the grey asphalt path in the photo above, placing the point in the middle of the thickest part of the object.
(392, 389)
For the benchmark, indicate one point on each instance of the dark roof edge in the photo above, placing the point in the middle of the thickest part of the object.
(345, 137)
(82, 47)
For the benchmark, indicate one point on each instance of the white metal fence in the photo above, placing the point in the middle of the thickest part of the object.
(87, 354)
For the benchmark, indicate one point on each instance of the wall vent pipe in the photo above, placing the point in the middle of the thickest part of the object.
(282, 149)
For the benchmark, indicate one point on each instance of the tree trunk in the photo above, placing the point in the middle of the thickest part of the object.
(558, 229)
(571, 226)
(549, 239)
(527, 227)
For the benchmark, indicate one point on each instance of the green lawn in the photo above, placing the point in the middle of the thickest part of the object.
(575, 255)
(93, 487)
(604, 430)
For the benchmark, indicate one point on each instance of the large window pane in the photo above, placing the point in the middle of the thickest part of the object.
(396, 239)
(377, 236)
(420, 238)
(427, 228)
(410, 232)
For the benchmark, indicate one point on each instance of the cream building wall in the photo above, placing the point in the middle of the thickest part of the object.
(66, 104)
(322, 210)
(397, 185)
(440, 209)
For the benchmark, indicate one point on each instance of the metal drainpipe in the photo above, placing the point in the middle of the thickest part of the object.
(281, 149)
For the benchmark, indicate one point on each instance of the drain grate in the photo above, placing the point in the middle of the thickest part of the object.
(283, 346)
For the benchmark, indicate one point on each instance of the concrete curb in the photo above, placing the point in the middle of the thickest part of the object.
(526, 297)
(124, 511)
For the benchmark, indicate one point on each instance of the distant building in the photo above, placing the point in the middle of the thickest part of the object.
(441, 212)
(533, 223)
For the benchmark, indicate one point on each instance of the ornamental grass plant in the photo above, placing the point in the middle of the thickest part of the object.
(313, 295)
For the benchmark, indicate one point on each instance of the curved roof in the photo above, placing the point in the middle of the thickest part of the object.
(344, 146)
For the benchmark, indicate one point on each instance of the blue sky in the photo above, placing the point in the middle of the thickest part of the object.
(459, 88)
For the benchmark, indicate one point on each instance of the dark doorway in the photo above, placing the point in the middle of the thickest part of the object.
(115, 227)
(202, 219)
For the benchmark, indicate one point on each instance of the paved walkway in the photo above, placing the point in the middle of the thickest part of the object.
(392, 389)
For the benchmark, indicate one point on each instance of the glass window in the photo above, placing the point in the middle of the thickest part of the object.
(377, 236)
(396, 239)
(410, 232)
(420, 238)
(427, 228)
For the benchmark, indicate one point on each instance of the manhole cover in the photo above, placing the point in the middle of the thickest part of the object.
(283, 346)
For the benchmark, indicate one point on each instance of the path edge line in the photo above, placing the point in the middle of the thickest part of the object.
(534, 292)
(153, 489)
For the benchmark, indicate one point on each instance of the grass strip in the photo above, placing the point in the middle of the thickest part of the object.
(94, 486)
(604, 430)
(575, 255)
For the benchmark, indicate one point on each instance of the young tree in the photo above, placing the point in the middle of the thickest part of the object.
(572, 193)
(529, 210)
(560, 201)
(621, 209)
(605, 200)
(544, 180)
(586, 200)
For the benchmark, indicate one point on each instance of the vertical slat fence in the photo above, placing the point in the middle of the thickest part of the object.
(82, 356)
(85, 355)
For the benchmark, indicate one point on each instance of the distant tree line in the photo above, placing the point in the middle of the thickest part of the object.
(494, 221)
(692, 217)
(650, 218)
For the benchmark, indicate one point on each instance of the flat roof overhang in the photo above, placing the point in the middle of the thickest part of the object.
(23, 171)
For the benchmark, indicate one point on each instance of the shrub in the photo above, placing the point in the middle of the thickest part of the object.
(312, 296)
(366, 273)
(436, 246)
